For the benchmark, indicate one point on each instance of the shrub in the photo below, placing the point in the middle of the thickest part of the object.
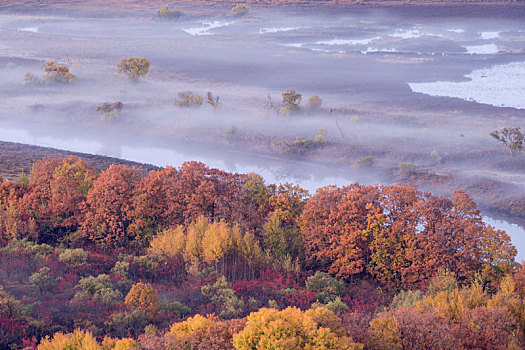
(188, 99)
(319, 139)
(98, 288)
(73, 257)
(406, 169)
(240, 10)
(223, 297)
(29, 79)
(327, 287)
(133, 67)
(143, 297)
(299, 146)
(437, 157)
(365, 162)
(291, 101)
(125, 323)
(57, 74)
(165, 12)
(314, 102)
(230, 133)
(42, 280)
(110, 109)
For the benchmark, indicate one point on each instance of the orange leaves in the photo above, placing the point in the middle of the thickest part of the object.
(109, 207)
(333, 225)
(399, 235)
(143, 297)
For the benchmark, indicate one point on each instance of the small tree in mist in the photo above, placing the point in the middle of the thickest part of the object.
(111, 109)
(406, 169)
(189, 99)
(57, 74)
(291, 101)
(513, 138)
(166, 12)
(29, 79)
(133, 67)
(314, 102)
(240, 10)
(213, 101)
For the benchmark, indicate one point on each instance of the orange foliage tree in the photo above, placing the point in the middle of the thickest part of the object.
(109, 208)
(59, 187)
(333, 225)
(143, 297)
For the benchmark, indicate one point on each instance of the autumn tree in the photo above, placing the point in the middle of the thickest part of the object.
(143, 297)
(59, 187)
(333, 225)
(225, 247)
(288, 202)
(391, 227)
(79, 339)
(410, 329)
(170, 243)
(109, 208)
(293, 329)
(498, 254)
(314, 102)
(203, 333)
(291, 101)
(133, 67)
(157, 202)
(14, 223)
(57, 73)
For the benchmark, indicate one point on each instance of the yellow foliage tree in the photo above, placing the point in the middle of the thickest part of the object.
(384, 333)
(78, 340)
(119, 344)
(170, 243)
(498, 254)
(133, 67)
(193, 254)
(453, 304)
(293, 329)
(143, 297)
(191, 325)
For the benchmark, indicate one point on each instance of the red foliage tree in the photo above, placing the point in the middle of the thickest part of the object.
(59, 187)
(333, 224)
(109, 208)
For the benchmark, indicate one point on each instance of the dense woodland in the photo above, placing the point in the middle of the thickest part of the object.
(198, 258)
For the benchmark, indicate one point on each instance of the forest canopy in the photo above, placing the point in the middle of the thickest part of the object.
(200, 258)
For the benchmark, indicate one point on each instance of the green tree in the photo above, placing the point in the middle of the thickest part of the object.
(223, 297)
(98, 288)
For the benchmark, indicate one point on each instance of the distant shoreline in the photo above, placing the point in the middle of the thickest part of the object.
(427, 8)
